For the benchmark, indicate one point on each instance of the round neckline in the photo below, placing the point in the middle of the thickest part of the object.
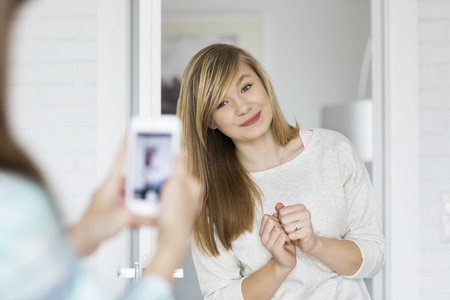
(300, 155)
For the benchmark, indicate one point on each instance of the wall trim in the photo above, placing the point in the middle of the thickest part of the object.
(396, 177)
(113, 110)
(150, 58)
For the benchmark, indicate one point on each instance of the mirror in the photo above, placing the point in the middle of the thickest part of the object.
(317, 54)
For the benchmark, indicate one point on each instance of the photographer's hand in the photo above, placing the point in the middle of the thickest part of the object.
(106, 214)
(180, 204)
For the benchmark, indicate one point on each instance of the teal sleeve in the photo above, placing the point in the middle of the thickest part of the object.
(36, 259)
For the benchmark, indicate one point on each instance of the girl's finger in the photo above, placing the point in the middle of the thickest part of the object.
(274, 236)
(263, 223)
(279, 206)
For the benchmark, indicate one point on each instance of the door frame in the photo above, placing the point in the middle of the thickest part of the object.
(396, 138)
(113, 110)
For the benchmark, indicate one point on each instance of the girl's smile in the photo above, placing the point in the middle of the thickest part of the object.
(252, 120)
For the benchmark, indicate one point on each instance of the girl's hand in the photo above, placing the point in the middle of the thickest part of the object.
(296, 221)
(276, 241)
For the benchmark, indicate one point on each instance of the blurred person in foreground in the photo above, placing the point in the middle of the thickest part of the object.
(39, 259)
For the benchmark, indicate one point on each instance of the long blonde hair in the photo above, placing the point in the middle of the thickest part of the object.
(230, 195)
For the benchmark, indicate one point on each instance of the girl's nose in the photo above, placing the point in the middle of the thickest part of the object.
(242, 107)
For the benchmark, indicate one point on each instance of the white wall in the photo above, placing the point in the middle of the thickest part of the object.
(434, 91)
(53, 95)
(312, 49)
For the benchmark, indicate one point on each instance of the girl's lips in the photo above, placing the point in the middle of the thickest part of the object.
(252, 120)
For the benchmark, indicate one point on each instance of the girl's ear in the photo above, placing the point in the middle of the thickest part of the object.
(212, 125)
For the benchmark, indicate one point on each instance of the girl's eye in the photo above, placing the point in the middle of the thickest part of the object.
(246, 88)
(222, 104)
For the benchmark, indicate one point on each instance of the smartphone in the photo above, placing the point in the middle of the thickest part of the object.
(153, 144)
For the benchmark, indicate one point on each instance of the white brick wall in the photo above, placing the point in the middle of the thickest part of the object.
(53, 92)
(434, 74)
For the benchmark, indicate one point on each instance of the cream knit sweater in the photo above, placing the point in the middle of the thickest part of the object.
(330, 179)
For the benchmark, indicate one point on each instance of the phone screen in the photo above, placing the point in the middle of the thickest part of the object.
(153, 165)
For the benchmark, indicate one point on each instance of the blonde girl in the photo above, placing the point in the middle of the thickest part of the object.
(287, 213)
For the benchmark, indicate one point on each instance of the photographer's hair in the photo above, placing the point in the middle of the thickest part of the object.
(12, 156)
(230, 196)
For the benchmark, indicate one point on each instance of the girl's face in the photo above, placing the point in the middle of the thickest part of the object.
(245, 112)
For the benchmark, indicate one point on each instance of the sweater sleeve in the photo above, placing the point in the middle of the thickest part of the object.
(364, 224)
(36, 259)
(219, 277)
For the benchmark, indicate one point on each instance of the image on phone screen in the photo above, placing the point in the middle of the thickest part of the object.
(153, 165)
